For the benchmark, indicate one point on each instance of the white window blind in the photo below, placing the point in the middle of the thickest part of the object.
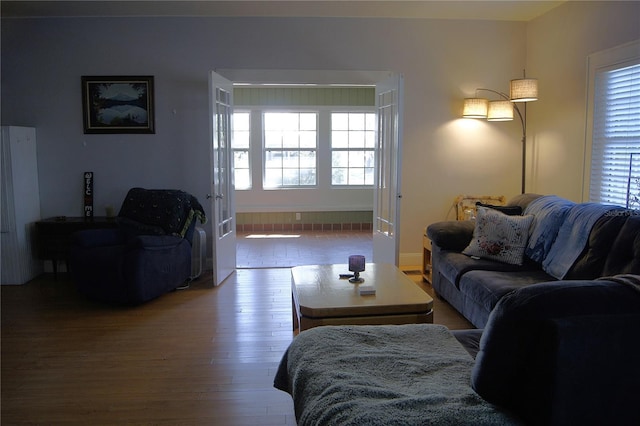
(615, 156)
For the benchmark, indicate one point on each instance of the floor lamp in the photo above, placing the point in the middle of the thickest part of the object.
(521, 90)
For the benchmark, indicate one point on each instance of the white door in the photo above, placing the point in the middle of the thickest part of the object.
(386, 194)
(222, 190)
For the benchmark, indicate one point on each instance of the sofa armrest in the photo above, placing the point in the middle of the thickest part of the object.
(516, 364)
(452, 235)
(593, 374)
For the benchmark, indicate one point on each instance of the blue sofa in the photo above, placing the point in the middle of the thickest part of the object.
(557, 339)
(147, 255)
(563, 352)
(566, 240)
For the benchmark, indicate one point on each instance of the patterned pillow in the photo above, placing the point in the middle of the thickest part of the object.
(500, 237)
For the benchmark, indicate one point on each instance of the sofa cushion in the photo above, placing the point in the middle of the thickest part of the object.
(453, 265)
(500, 237)
(590, 264)
(486, 288)
(624, 256)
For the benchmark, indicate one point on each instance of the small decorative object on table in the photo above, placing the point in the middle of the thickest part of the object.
(88, 194)
(356, 265)
(366, 290)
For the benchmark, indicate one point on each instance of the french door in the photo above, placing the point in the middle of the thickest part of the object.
(222, 187)
(387, 195)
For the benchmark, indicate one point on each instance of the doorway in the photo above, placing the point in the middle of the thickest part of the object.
(283, 250)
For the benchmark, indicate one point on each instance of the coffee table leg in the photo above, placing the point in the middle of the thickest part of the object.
(294, 313)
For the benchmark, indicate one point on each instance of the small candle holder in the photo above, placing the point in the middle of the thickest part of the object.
(356, 265)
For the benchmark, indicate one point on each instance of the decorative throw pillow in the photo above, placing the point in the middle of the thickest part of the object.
(500, 237)
(509, 210)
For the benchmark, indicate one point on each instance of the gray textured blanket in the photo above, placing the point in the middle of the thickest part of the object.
(383, 375)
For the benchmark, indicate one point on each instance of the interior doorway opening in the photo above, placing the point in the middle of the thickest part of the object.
(378, 79)
(277, 90)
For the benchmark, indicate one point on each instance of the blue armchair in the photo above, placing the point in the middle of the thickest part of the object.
(147, 255)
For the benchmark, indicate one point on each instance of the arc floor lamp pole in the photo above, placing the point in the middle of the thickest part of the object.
(523, 122)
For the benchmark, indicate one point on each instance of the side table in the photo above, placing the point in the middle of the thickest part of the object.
(53, 235)
(426, 259)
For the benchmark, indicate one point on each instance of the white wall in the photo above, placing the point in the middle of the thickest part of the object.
(443, 61)
(558, 44)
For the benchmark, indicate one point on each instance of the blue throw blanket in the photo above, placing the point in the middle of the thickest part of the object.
(572, 237)
(549, 212)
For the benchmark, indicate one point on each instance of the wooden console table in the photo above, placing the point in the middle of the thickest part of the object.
(53, 235)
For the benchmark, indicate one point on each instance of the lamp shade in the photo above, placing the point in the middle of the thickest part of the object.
(524, 90)
(500, 111)
(475, 108)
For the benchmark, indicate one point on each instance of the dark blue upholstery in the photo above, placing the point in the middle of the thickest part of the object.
(474, 286)
(555, 353)
(624, 256)
(137, 261)
(563, 352)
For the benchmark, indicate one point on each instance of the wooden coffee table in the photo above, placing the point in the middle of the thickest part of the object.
(321, 297)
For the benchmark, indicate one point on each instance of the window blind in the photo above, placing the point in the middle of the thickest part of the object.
(615, 160)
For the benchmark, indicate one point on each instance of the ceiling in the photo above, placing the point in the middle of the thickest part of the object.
(504, 10)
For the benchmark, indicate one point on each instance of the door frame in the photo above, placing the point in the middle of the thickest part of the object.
(319, 77)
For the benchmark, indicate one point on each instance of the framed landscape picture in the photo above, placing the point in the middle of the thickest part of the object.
(118, 104)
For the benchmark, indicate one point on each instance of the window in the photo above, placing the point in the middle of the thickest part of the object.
(352, 148)
(240, 148)
(615, 138)
(290, 145)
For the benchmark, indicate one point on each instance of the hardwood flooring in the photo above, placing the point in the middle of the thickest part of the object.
(287, 249)
(204, 355)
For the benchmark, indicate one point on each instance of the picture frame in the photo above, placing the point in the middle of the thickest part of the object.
(118, 104)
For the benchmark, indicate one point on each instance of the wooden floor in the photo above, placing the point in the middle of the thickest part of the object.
(205, 355)
(287, 249)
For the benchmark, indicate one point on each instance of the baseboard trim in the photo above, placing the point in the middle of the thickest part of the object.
(301, 227)
(410, 259)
